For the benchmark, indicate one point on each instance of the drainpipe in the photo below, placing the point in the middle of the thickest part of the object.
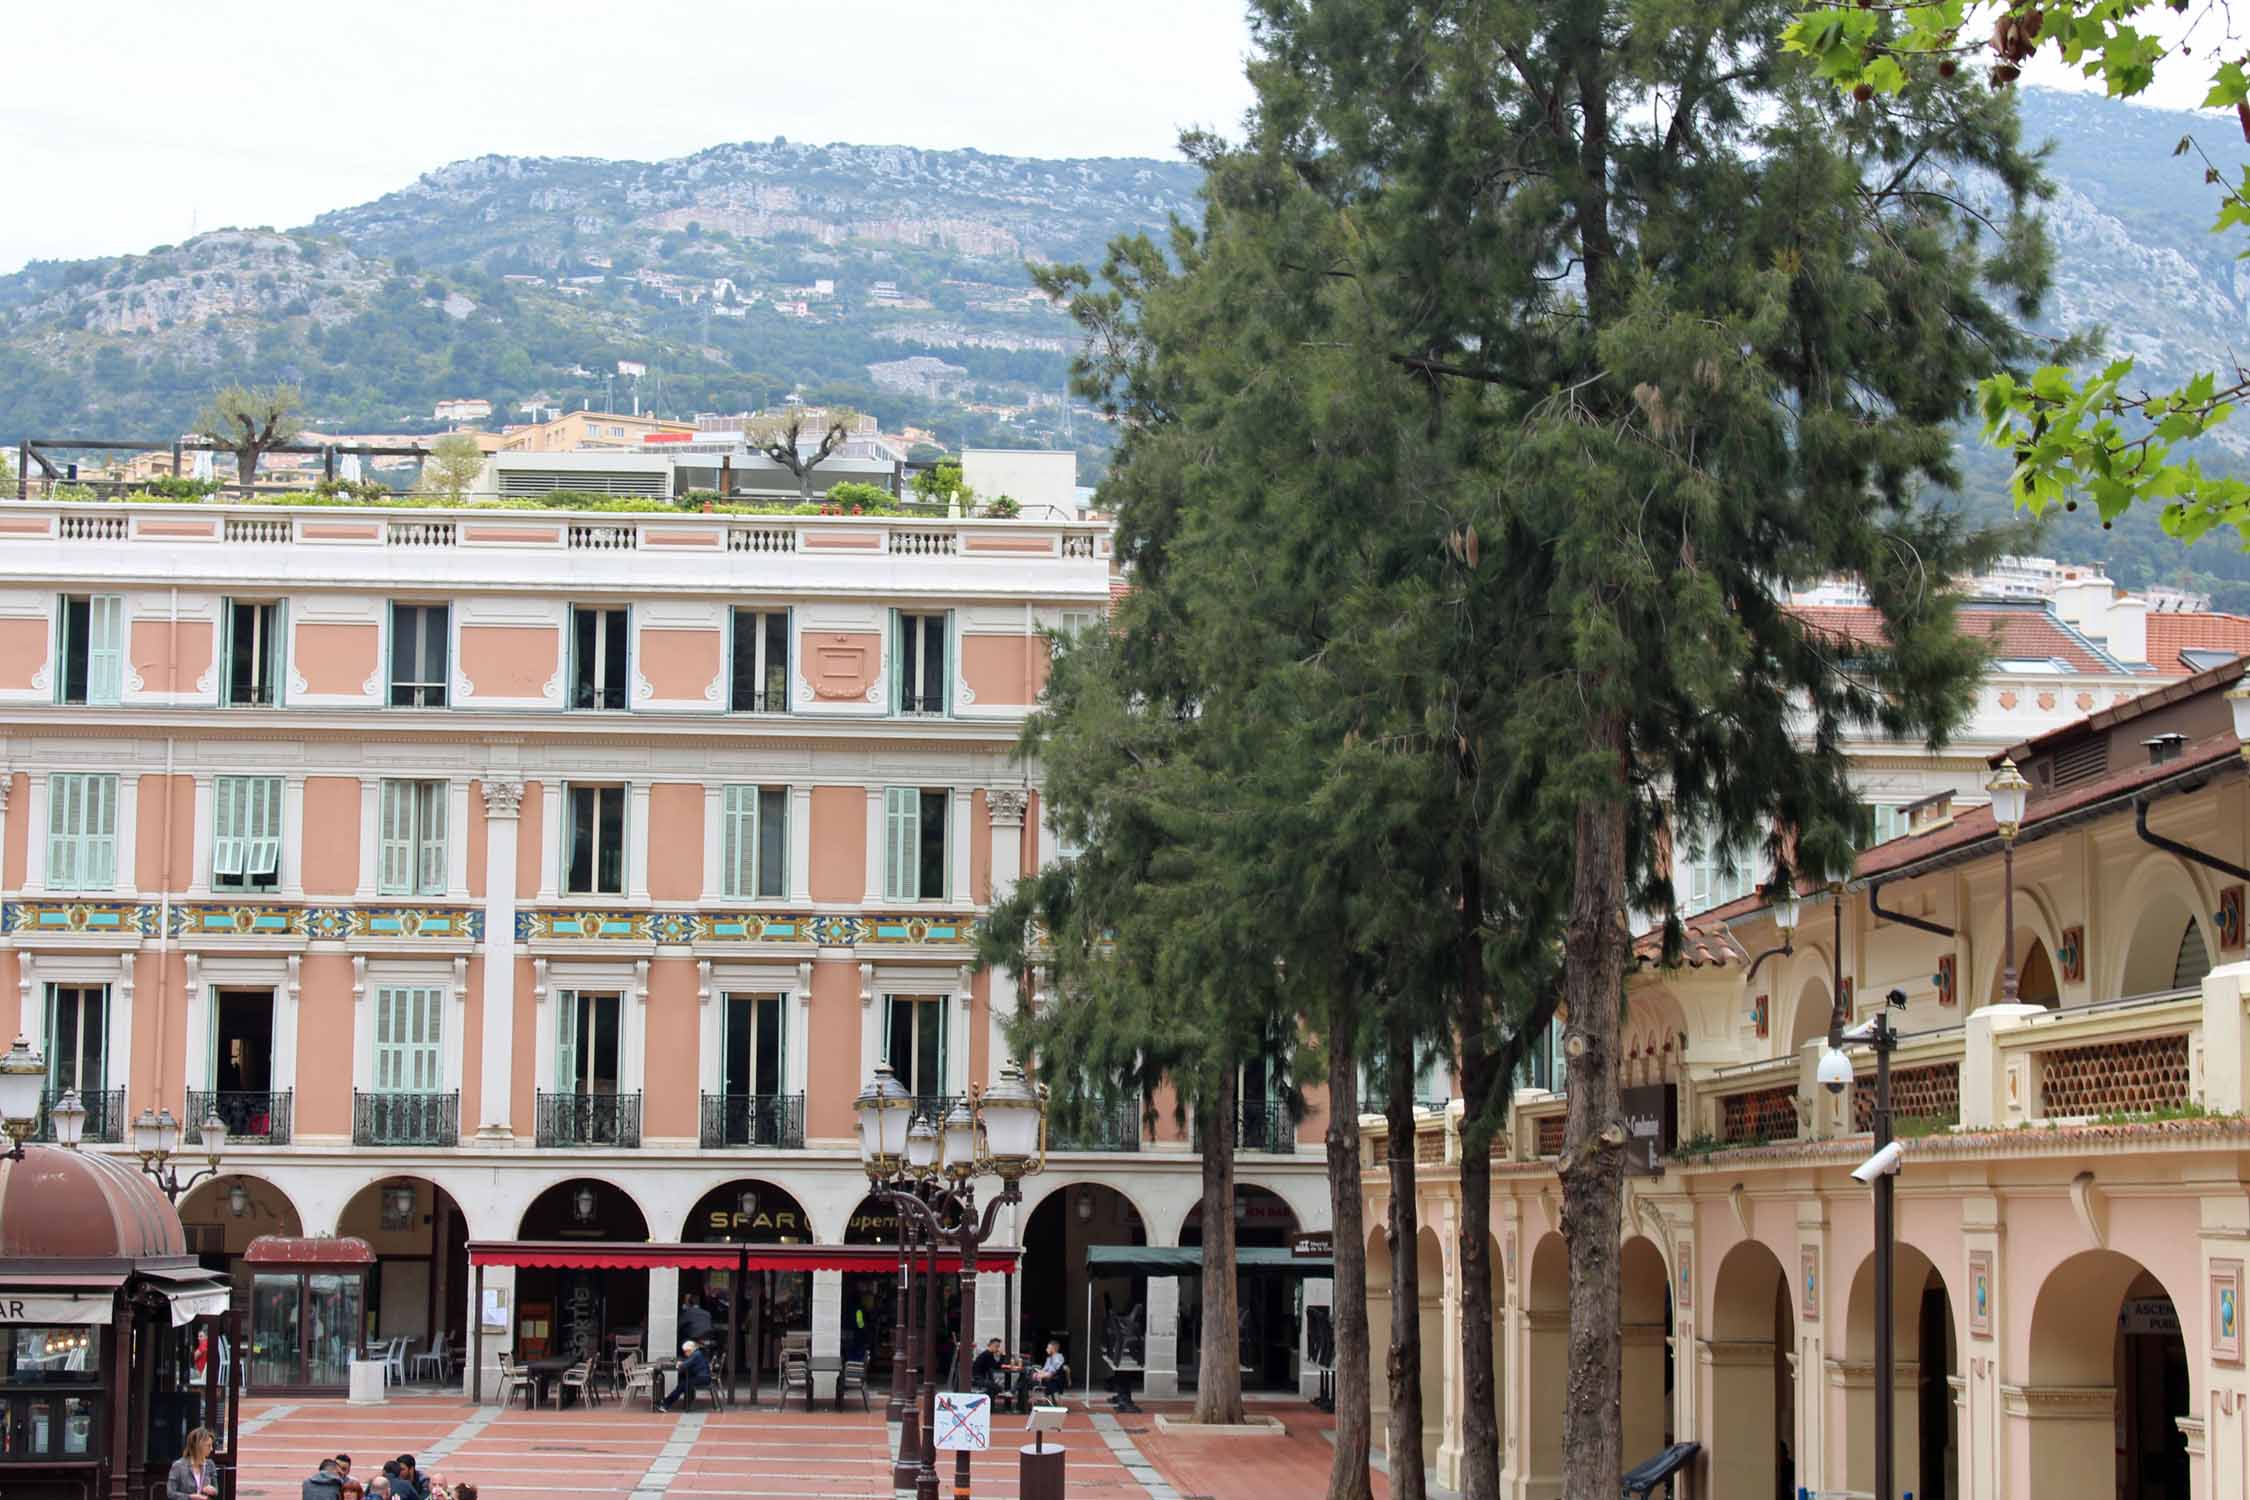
(2173, 846)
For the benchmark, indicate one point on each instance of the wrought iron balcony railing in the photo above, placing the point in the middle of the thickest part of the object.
(1110, 1125)
(406, 1119)
(253, 1117)
(589, 1120)
(771, 1120)
(1266, 1126)
(105, 1115)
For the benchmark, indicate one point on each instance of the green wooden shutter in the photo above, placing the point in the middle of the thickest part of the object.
(566, 1044)
(738, 836)
(65, 822)
(227, 840)
(277, 652)
(387, 1049)
(261, 849)
(896, 658)
(98, 833)
(225, 674)
(430, 856)
(397, 838)
(902, 816)
(105, 655)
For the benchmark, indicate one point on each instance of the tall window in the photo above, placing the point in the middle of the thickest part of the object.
(418, 654)
(78, 1040)
(246, 833)
(1076, 622)
(93, 647)
(914, 843)
(253, 653)
(1706, 879)
(586, 1043)
(412, 852)
(918, 663)
(754, 841)
(914, 1042)
(596, 864)
(597, 656)
(408, 1021)
(81, 832)
(755, 1061)
(761, 661)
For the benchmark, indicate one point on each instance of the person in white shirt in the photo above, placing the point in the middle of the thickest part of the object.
(1054, 1374)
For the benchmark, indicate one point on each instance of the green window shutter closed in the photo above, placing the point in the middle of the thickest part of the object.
(82, 832)
(397, 843)
(105, 648)
(566, 1043)
(227, 840)
(430, 869)
(902, 817)
(261, 850)
(738, 838)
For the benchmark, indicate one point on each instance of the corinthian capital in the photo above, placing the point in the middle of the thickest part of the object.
(503, 799)
(1006, 804)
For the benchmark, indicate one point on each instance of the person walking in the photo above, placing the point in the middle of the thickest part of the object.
(695, 1319)
(193, 1475)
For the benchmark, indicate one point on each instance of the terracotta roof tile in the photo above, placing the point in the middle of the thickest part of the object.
(2171, 633)
(2017, 632)
(1703, 943)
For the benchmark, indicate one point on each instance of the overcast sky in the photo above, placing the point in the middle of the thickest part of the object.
(131, 123)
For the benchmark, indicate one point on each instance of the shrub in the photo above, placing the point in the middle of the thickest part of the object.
(1002, 508)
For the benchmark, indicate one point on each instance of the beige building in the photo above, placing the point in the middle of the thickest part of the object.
(576, 430)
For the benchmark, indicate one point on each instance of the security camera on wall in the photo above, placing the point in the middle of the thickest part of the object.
(1883, 1163)
(1835, 1071)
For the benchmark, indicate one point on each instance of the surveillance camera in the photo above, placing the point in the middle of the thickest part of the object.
(1835, 1071)
(1863, 1032)
(1896, 999)
(1883, 1163)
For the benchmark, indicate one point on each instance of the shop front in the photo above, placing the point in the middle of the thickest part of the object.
(767, 1306)
(308, 1300)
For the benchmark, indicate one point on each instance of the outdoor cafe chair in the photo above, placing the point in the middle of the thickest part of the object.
(796, 1375)
(394, 1361)
(431, 1360)
(579, 1378)
(514, 1378)
(635, 1377)
(854, 1378)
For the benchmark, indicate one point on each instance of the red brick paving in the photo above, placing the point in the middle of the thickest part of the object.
(1244, 1468)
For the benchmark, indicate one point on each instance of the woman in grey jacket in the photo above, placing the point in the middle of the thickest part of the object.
(194, 1476)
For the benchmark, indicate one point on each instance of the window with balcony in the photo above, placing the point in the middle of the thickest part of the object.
(761, 662)
(78, 1059)
(409, 1105)
(245, 833)
(595, 863)
(598, 656)
(586, 1107)
(412, 848)
(239, 1069)
(81, 832)
(253, 653)
(754, 842)
(752, 1107)
(915, 1046)
(920, 673)
(1265, 1124)
(418, 654)
(93, 648)
(914, 842)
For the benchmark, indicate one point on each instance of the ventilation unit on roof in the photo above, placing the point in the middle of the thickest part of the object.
(2081, 762)
(2164, 747)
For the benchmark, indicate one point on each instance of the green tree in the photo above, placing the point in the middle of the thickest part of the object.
(941, 484)
(1697, 352)
(2092, 433)
(454, 464)
(250, 423)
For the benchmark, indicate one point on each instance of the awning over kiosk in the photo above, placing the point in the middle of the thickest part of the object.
(720, 1255)
(1187, 1260)
(91, 1301)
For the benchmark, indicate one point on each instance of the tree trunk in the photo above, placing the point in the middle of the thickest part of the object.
(1409, 1480)
(1347, 1471)
(1593, 1160)
(246, 470)
(1480, 1418)
(1218, 1373)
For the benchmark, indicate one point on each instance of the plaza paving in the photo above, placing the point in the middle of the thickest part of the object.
(608, 1453)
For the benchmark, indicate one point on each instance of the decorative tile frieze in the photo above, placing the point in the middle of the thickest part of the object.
(450, 923)
(825, 929)
(78, 918)
(244, 919)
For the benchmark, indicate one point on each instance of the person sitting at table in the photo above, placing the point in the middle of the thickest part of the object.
(990, 1373)
(695, 1373)
(1054, 1374)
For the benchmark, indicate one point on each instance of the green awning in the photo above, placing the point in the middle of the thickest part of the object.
(1169, 1260)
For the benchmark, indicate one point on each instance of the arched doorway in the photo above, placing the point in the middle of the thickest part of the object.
(581, 1310)
(2035, 974)
(2169, 948)
(1429, 1286)
(867, 1316)
(776, 1303)
(1753, 1394)
(1269, 1306)
(2101, 1321)
(1379, 1335)
(1816, 1005)
(1063, 1226)
(222, 1215)
(1925, 1425)
(418, 1286)
(1645, 1310)
(1546, 1316)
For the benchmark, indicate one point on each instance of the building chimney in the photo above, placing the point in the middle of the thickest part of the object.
(2128, 630)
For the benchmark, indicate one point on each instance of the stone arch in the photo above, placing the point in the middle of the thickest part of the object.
(1378, 1327)
(618, 1210)
(2107, 1362)
(1546, 1303)
(419, 1287)
(1058, 1231)
(2170, 903)
(1925, 1345)
(1437, 1355)
(1645, 1312)
(1809, 1015)
(1748, 1374)
(215, 1230)
(1650, 1048)
(2037, 927)
(1063, 1182)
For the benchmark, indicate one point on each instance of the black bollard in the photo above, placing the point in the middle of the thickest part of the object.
(1039, 1474)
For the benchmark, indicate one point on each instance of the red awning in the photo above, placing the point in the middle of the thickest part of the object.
(718, 1255)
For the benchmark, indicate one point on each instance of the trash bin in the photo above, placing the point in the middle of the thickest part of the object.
(1039, 1473)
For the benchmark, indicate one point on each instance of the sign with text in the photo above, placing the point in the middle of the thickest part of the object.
(1652, 1126)
(1313, 1244)
(964, 1421)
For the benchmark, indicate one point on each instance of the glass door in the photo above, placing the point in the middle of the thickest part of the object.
(754, 1070)
(78, 1052)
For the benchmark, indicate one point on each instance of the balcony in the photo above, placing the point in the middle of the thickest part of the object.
(252, 1117)
(1266, 1126)
(406, 1119)
(568, 1120)
(1109, 1125)
(105, 1116)
(774, 1121)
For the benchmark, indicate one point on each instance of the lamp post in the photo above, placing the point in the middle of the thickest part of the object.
(1781, 900)
(156, 1139)
(884, 1110)
(1836, 1069)
(2008, 789)
(23, 1077)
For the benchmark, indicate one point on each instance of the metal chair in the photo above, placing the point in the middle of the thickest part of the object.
(796, 1375)
(579, 1378)
(635, 1377)
(853, 1378)
(514, 1378)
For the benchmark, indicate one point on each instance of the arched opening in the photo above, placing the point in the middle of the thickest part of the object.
(1546, 1306)
(418, 1286)
(1057, 1303)
(1379, 1337)
(1268, 1307)
(1429, 1272)
(1926, 1428)
(222, 1215)
(867, 1319)
(1499, 1271)
(1746, 1357)
(2168, 949)
(2035, 981)
(581, 1310)
(2102, 1322)
(775, 1304)
(1816, 1004)
(1645, 1311)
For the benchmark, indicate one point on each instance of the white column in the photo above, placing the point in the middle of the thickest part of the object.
(292, 882)
(554, 837)
(371, 834)
(503, 802)
(1161, 1352)
(663, 1311)
(827, 1331)
(501, 1279)
(960, 824)
(128, 832)
(1007, 807)
(714, 800)
(31, 1012)
(456, 840)
(199, 878)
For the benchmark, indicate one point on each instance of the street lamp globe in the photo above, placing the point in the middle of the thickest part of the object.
(1014, 1120)
(69, 1115)
(959, 1146)
(145, 1135)
(2238, 704)
(921, 1147)
(23, 1076)
(883, 1108)
(214, 1133)
(1783, 900)
(167, 1133)
(2009, 791)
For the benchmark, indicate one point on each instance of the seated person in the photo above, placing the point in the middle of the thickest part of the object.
(695, 1373)
(995, 1374)
(1054, 1374)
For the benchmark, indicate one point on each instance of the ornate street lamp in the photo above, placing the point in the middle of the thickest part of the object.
(1781, 901)
(2009, 791)
(69, 1115)
(156, 1140)
(23, 1078)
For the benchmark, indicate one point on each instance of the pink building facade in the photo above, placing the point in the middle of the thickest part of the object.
(514, 874)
